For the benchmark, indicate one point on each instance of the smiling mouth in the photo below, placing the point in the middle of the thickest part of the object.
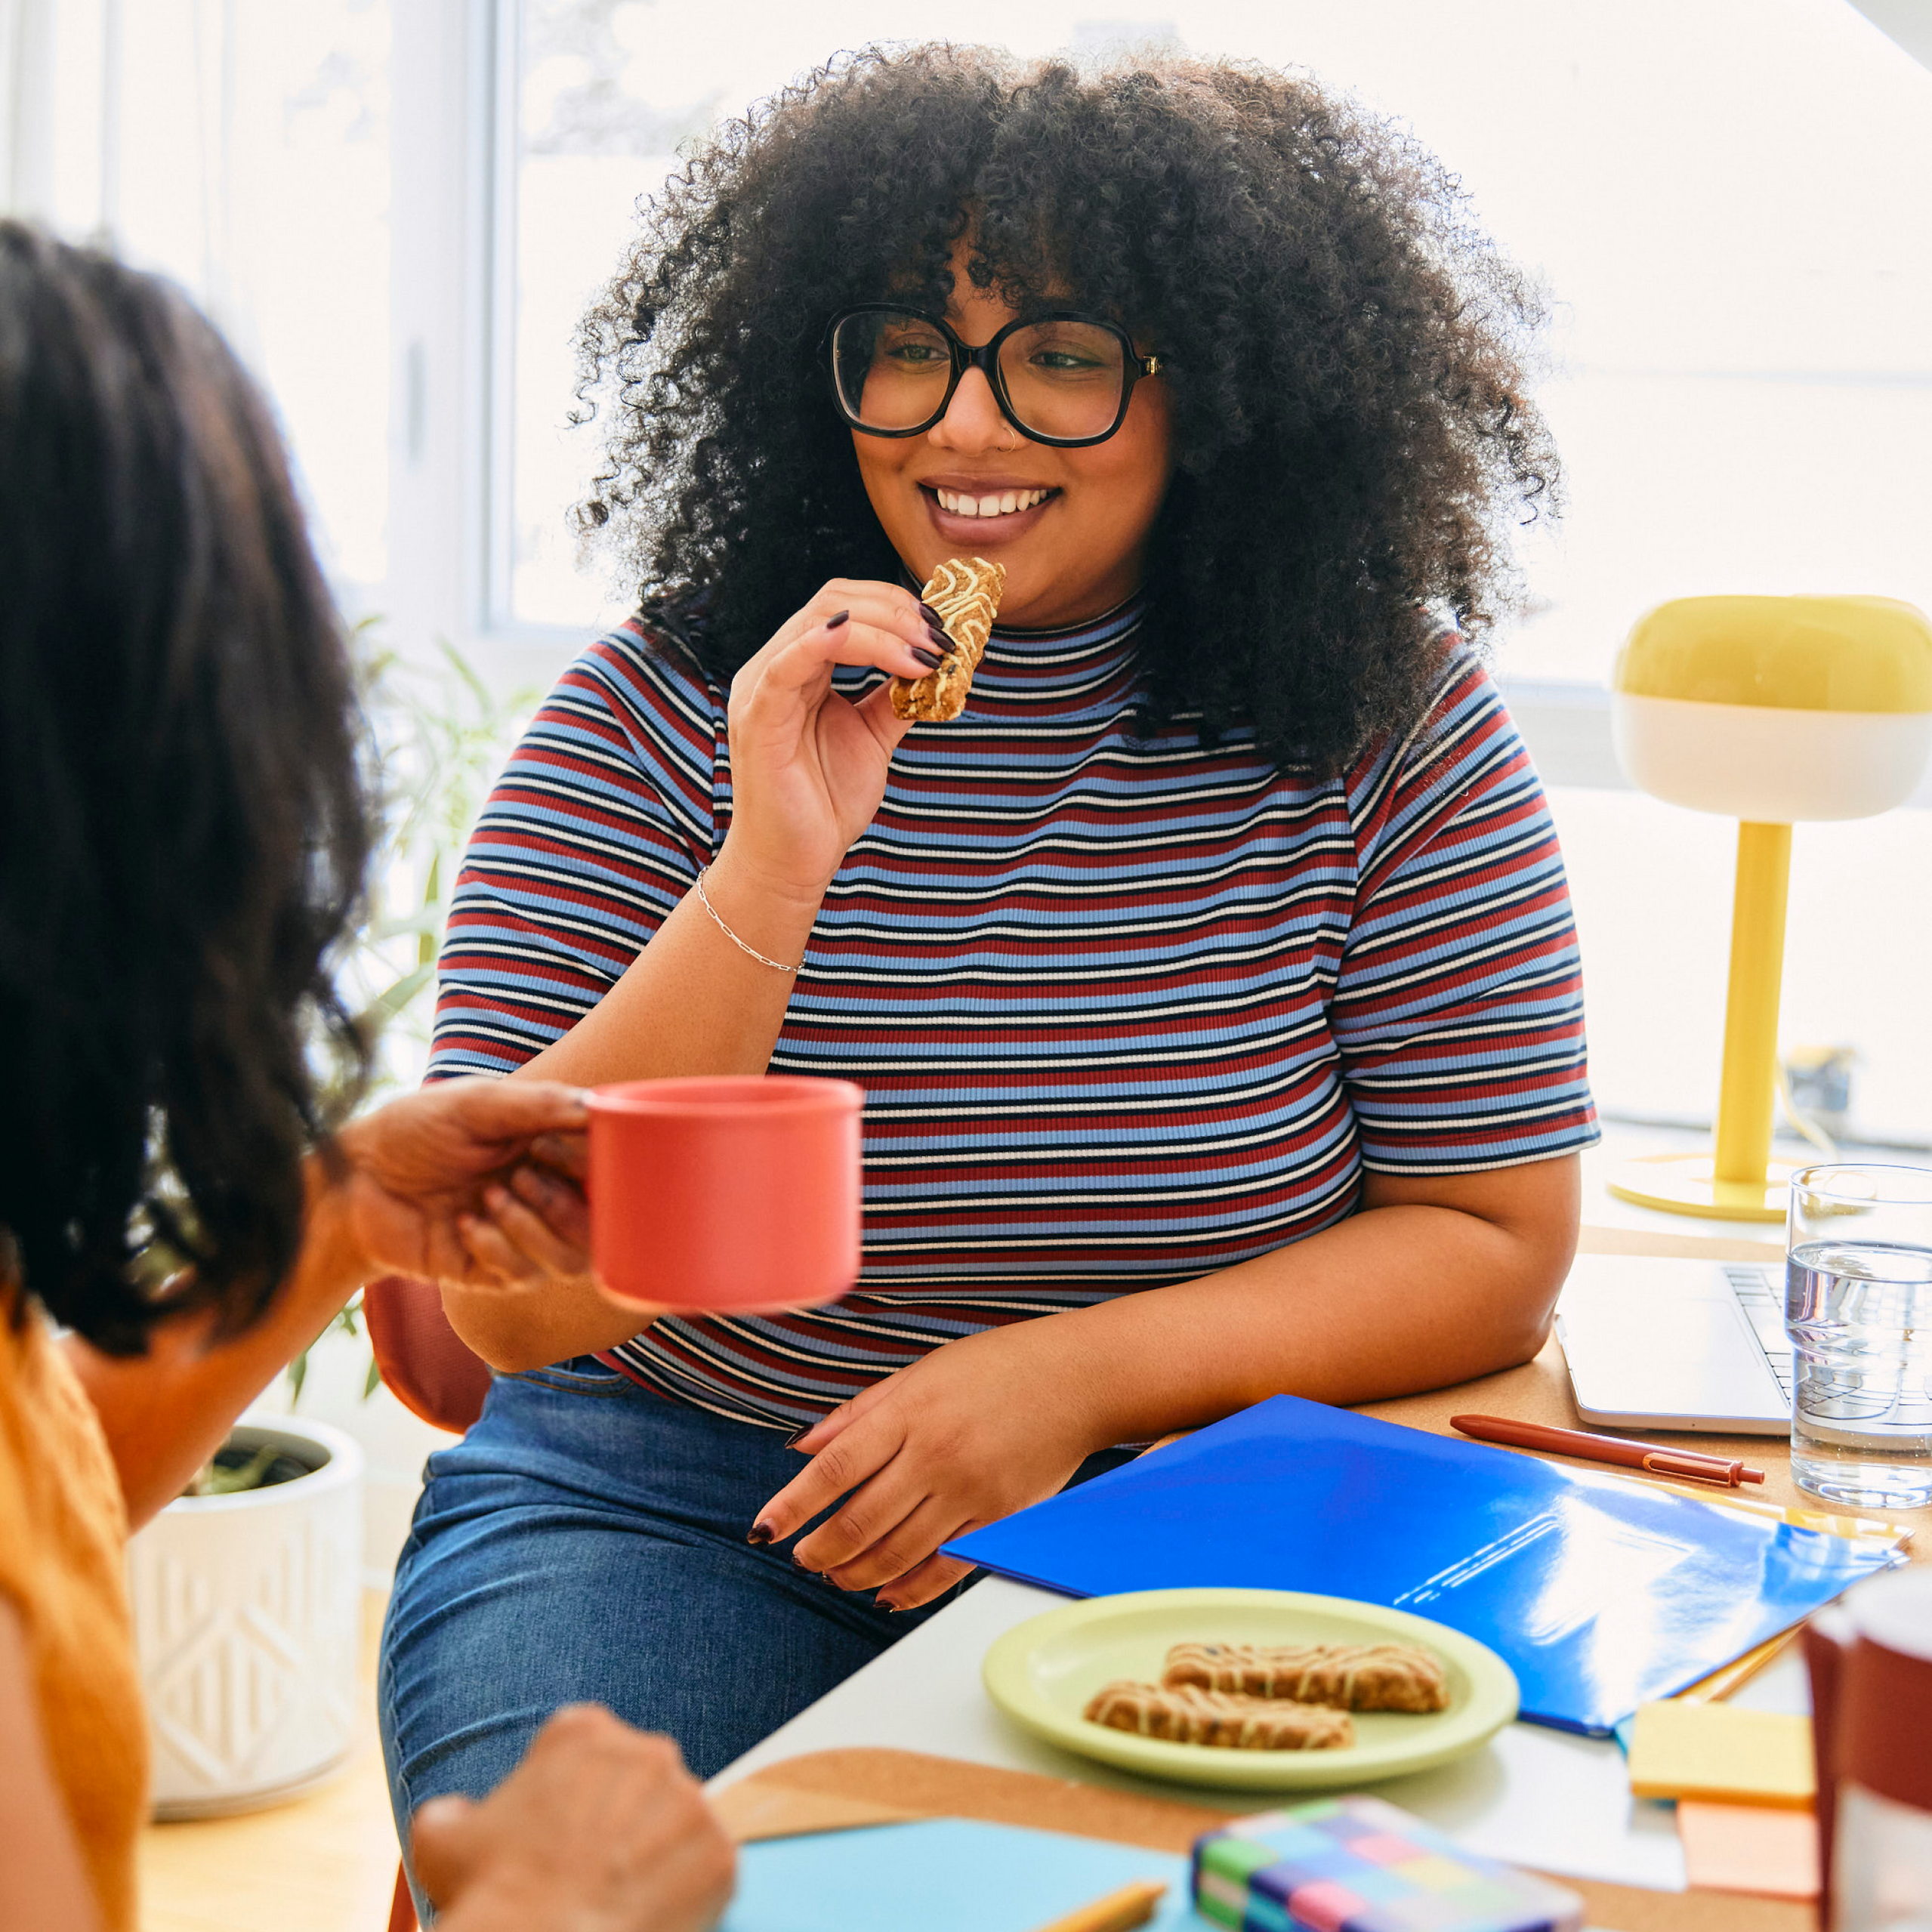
(994, 503)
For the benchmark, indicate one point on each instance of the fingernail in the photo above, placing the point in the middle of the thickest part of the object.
(893, 1610)
(937, 633)
(759, 1534)
(933, 617)
(931, 659)
(797, 1436)
(833, 623)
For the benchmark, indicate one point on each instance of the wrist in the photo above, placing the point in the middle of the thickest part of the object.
(760, 889)
(1069, 1371)
(497, 1900)
(333, 1257)
(762, 913)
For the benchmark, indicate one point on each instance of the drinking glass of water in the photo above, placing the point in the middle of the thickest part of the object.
(1858, 1308)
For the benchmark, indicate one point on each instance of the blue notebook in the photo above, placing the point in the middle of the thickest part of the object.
(1599, 1592)
(942, 1874)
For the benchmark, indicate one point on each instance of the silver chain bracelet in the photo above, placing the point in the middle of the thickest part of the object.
(750, 951)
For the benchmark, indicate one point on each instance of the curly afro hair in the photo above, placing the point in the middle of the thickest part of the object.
(1343, 352)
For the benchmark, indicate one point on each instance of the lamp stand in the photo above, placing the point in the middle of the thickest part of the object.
(1738, 1180)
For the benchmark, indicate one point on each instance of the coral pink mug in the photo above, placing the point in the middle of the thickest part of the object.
(741, 1192)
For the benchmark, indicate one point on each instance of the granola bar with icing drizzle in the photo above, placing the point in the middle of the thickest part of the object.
(965, 591)
(1345, 1676)
(1188, 1716)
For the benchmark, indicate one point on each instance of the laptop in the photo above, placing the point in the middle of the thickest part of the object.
(1656, 1344)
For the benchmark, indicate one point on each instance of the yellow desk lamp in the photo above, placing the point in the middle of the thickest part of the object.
(1769, 710)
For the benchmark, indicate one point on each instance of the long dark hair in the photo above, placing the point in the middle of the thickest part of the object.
(182, 829)
(1342, 347)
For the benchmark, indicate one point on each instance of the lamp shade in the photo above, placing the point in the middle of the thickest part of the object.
(1775, 709)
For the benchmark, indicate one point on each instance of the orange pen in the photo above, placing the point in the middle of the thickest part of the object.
(1687, 1464)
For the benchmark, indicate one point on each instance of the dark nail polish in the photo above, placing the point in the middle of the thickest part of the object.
(932, 617)
(833, 623)
(759, 1534)
(931, 659)
(941, 641)
(797, 1436)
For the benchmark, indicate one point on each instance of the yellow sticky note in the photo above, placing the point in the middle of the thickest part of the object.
(1749, 1848)
(1727, 1756)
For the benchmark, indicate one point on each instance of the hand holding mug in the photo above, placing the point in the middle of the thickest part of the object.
(536, 1223)
(409, 1178)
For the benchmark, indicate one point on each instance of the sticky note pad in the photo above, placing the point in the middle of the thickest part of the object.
(1728, 1757)
(1359, 1864)
(1753, 1848)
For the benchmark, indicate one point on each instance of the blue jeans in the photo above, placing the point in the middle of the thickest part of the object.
(585, 1543)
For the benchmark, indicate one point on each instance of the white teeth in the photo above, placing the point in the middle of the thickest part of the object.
(1004, 506)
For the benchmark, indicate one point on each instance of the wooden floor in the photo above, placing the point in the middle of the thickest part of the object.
(322, 1863)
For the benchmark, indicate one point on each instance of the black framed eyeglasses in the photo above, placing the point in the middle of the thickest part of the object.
(1063, 377)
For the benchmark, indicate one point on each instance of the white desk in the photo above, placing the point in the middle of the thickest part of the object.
(1534, 1796)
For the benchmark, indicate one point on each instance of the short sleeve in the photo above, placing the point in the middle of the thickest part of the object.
(1457, 1009)
(600, 820)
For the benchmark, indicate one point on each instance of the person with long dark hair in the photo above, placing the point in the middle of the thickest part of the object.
(183, 836)
(1212, 979)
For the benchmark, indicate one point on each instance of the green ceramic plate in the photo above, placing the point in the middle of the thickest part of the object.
(1042, 1672)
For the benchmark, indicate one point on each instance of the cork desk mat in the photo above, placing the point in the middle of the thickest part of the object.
(836, 1791)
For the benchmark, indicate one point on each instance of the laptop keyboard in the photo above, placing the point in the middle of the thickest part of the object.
(1760, 1294)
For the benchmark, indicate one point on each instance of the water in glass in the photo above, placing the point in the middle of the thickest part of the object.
(1860, 1315)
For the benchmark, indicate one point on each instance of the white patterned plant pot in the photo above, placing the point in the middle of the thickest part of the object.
(247, 1621)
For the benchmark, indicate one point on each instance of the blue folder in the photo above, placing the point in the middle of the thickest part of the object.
(1600, 1593)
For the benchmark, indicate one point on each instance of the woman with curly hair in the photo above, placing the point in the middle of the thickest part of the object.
(1211, 979)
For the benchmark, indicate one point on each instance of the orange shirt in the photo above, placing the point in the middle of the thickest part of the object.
(63, 1531)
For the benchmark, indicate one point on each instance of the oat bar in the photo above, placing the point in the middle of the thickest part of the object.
(1188, 1716)
(965, 591)
(1345, 1676)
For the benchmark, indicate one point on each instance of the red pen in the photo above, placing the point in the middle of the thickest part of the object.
(1685, 1463)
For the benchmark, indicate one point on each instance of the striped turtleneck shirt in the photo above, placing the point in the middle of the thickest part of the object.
(1126, 1009)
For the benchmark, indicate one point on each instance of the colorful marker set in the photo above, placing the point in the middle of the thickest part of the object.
(1360, 1865)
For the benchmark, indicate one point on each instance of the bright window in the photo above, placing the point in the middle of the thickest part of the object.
(247, 156)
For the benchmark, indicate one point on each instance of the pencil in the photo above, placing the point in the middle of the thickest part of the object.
(1119, 1911)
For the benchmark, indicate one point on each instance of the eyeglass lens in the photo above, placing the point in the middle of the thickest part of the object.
(1061, 379)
